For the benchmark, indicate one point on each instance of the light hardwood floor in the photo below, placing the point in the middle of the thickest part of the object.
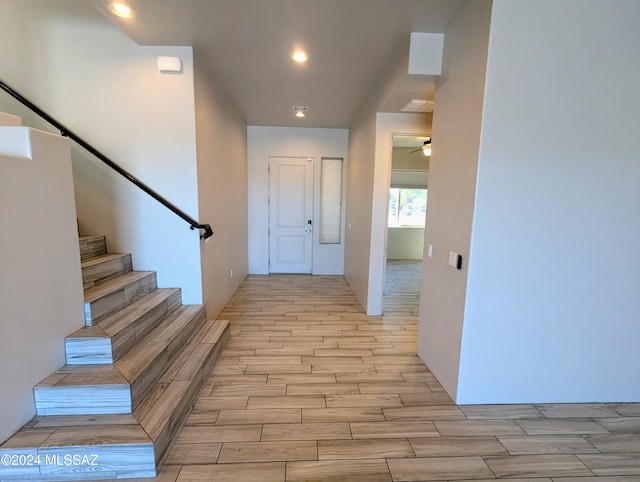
(310, 388)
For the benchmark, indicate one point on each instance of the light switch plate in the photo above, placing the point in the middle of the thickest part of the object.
(429, 250)
(453, 258)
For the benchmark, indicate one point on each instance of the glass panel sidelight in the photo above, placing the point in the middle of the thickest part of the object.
(330, 200)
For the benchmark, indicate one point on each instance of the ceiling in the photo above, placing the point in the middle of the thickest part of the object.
(246, 46)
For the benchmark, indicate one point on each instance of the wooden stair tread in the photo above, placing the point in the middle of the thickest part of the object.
(144, 354)
(120, 387)
(111, 338)
(161, 404)
(101, 268)
(84, 375)
(89, 332)
(97, 435)
(184, 367)
(114, 293)
(40, 432)
(116, 322)
(212, 333)
(57, 421)
(101, 259)
(96, 292)
(169, 329)
(135, 365)
(117, 450)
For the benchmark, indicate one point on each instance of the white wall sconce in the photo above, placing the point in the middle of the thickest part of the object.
(169, 65)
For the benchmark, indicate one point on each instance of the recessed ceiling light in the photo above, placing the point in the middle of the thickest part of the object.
(121, 10)
(300, 110)
(299, 56)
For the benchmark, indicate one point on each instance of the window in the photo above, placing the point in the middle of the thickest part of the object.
(330, 200)
(407, 207)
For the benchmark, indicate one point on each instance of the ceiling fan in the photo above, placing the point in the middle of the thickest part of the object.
(426, 148)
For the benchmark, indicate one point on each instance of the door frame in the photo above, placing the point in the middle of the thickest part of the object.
(309, 213)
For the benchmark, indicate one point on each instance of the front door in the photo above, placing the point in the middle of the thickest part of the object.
(290, 214)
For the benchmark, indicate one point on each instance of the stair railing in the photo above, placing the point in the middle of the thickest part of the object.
(66, 132)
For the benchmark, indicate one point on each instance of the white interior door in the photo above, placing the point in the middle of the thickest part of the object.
(290, 214)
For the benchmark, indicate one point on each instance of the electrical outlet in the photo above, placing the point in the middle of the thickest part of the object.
(232, 273)
(429, 250)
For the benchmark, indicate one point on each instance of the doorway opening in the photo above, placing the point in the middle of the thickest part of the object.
(407, 208)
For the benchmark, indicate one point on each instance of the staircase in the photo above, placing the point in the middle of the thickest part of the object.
(133, 374)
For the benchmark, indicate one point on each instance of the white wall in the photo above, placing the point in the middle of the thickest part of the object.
(265, 142)
(452, 179)
(222, 186)
(553, 298)
(362, 138)
(40, 282)
(405, 243)
(107, 89)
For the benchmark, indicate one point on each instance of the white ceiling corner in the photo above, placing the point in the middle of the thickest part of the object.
(248, 44)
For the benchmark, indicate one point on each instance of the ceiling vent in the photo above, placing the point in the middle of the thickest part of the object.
(300, 110)
(418, 105)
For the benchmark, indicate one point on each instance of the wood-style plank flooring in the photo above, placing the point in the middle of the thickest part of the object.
(310, 388)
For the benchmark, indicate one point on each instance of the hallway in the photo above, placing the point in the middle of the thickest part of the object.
(310, 388)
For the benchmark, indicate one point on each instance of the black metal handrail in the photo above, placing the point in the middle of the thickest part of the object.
(208, 231)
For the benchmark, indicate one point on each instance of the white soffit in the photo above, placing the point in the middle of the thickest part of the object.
(425, 53)
(415, 179)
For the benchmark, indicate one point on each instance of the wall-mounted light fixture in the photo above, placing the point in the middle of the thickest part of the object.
(169, 65)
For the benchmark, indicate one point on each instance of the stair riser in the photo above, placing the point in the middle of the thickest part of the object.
(96, 462)
(73, 400)
(182, 411)
(92, 247)
(91, 275)
(86, 400)
(88, 351)
(181, 339)
(96, 351)
(158, 368)
(118, 299)
(125, 340)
